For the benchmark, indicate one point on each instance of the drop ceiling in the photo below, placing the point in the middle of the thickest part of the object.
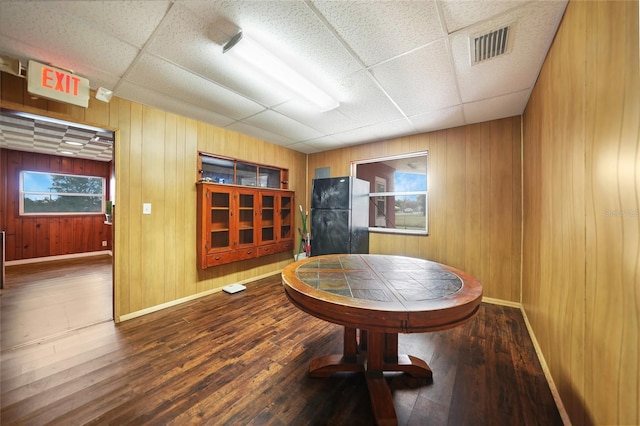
(396, 67)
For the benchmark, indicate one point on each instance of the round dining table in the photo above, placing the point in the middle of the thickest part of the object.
(375, 297)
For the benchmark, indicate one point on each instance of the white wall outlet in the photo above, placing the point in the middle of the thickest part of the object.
(146, 208)
(104, 244)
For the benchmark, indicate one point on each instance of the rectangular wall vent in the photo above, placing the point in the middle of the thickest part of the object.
(490, 45)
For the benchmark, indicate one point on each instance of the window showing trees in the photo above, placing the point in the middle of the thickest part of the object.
(56, 194)
(398, 192)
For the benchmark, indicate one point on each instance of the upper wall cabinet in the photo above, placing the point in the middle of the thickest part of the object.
(238, 223)
(218, 169)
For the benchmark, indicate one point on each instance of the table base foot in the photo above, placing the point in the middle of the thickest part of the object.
(374, 353)
(415, 367)
(379, 393)
(381, 399)
(327, 365)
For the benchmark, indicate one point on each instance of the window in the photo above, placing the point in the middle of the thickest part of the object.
(56, 194)
(398, 192)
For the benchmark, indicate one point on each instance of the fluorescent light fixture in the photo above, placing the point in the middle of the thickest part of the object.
(73, 143)
(66, 152)
(247, 50)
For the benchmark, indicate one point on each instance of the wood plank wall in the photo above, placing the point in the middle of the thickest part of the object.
(42, 236)
(474, 200)
(156, 162)
(581, 268)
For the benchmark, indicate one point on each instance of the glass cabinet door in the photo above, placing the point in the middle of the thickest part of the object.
(269, 178)
(246, 218)
(219, 224)
(267, 222)
(236, 223)
(246, 174)
(217, 170)
(285, 216)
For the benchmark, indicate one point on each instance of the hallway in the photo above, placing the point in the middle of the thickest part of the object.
(45, 300)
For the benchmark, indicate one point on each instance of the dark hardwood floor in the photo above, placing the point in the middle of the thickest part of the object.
(242, 359)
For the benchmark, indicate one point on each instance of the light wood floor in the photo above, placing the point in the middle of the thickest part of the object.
(48, 299)
(242, 359)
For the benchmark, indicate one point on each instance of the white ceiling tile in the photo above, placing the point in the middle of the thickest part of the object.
(377, 31)
(305, 148)
(279, 124)
(323, 143)
(432, 87)
(259, 133)
(170, 104)
(459, 14)
(390, 64)
(498, 107)
(442, 119)
(363, 103)
(396, 128)
(131, 21)
(532, 32)
(16, 49)
(288, 30)
(69, 43)
(376, 132)
(184, 40)
(327, 122)
(155, 74)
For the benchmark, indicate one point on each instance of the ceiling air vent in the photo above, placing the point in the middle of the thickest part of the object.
(490, 45)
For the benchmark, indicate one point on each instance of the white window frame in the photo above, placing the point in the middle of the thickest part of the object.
(66, 194)
(374, 195)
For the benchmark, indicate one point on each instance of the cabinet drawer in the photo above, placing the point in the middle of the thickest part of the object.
(275, 248)
(247, 253)
(230, 256)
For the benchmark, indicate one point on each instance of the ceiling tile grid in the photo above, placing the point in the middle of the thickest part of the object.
(462, 14)
(163, 77)
(533, 27)
(64, 40)
(379, 31)
(411, 78)
(496, 108)
(445, 118)
(133, 22)
(33, 135)
(396, 67)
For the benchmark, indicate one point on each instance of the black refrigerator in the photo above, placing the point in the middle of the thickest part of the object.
(339, 216)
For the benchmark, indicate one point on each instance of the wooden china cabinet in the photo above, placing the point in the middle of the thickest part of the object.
(239, 222)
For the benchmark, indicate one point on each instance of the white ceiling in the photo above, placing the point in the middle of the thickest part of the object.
(396, 67)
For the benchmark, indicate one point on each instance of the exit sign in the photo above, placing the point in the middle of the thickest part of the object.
(57, 84)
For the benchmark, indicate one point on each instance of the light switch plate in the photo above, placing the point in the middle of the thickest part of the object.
(146, 208)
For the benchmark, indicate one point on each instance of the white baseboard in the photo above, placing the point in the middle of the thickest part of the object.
(545, 368)
(501, 302)
(547, 373)
(187, 298)
(543, 362)
(59, 257)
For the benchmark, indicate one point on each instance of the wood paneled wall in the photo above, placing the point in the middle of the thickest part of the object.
(156, 162)
(474, 200)
(41, 236)
(581, 268)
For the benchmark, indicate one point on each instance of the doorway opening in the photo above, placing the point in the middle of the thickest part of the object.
(58, 258)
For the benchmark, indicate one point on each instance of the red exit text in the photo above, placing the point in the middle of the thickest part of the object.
(60, 81)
